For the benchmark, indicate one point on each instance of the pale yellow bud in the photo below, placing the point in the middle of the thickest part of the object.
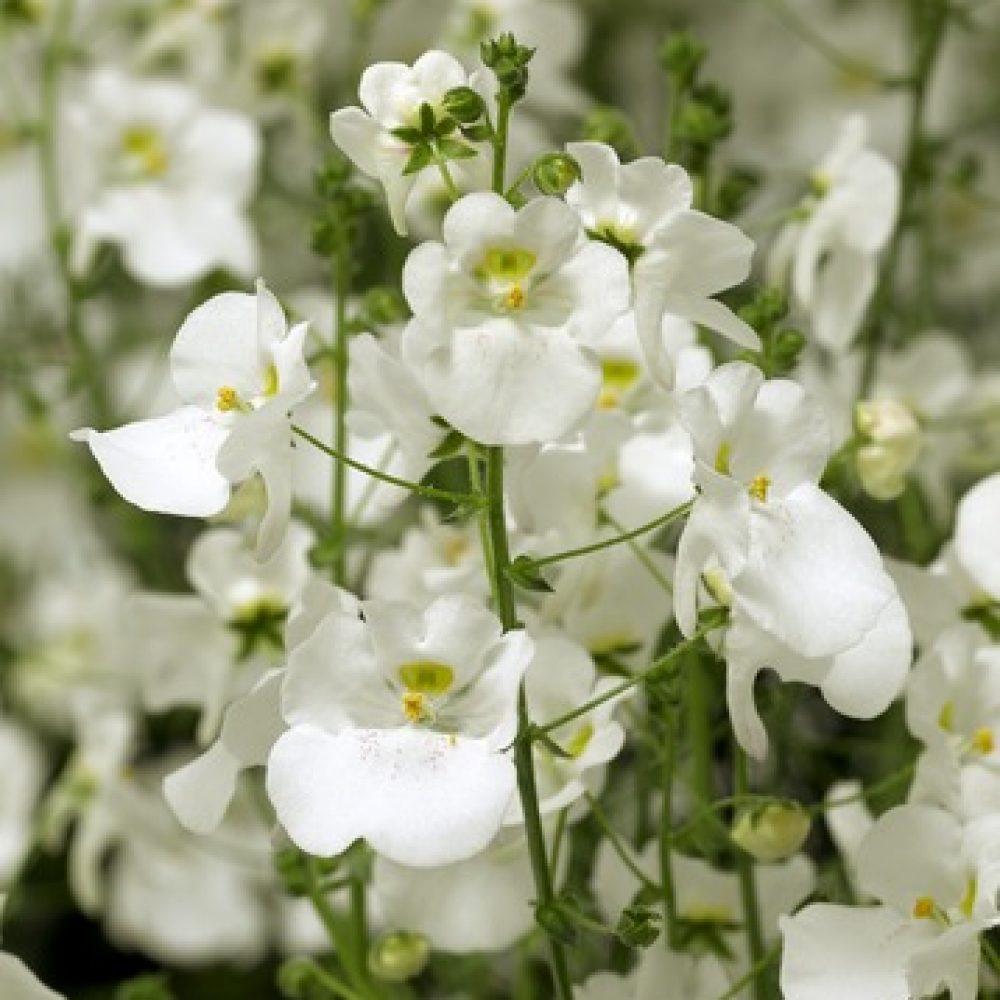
(772, 833)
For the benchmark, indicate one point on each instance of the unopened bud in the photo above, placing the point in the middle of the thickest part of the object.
(893, 439)
(773, 832)
(464, 105)
(399, 956)
(681, 55)
(555, 173)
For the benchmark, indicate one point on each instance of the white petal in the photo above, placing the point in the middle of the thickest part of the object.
(949, 963)
(421, 799)
(357, 135)
(977, 534)
(814, 578)
(166, 464)
(835, 952)
(17, 982)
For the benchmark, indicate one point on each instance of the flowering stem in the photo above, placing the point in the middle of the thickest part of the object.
(666, 838)
(930, 34)
(627, 685)
(504, 104)
(53, 59)
(747, 880)
(699, 709)
(431, 492)
(342, 283)
(659, 522)
(497, 556)
(616, 842)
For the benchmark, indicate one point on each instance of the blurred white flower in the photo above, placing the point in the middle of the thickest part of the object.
(160, 175)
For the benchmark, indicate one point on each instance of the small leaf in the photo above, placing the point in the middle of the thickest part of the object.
(452, 149)
(422, 156)
(426, 120)
(450, 445)
(408, 134)
(523, 572)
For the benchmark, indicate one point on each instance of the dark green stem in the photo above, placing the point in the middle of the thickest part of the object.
(666, 837)
(504, 104)
(748, 882)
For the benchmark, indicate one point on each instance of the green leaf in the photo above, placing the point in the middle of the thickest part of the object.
(408, 134)
(426, 120)
(450, 445)
(523, 573)
(452, 149)
(422, 156)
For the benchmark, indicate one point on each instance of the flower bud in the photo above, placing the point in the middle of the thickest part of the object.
(893, 439)
(681, 56)
(399, 956)
(464, 105)
(638, 926)
(772, 832)
(555, 173)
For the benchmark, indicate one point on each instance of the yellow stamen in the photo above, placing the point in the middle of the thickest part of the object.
(969, 899)
(144, 148)
(982, 740)
(514, 298)
(946, 717)
(414, 706)
(924, 907)
(271, 381)
(759, 487)
(226, 399)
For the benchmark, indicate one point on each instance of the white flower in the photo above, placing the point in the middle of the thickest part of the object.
(165, 178)
(18, 982)
(392, 94)
(201, 791)
(208, 648)
(807, 593)
(682, 257)
(20, 785)
(849, 219)
(238, 370)
(501, 312)
(483, 903)
(399, 724)
(937, 883)
(977, 535)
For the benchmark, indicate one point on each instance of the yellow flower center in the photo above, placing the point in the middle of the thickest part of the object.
(618, 375)
(924, 907)
(426, 677)
(759, 487)
(144, 152)
(414, 706)
(226, 399)
(514, 298)
(982, 740)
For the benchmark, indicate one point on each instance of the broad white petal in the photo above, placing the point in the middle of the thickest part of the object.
(18, 982)
(977, 534)
(421, 799)
(167, 464)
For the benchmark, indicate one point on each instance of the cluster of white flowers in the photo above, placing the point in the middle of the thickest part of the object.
(498, 569)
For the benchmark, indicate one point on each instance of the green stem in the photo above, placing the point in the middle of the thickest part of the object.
(431, 492)
(699, 722)
(666, 838)
(751, 975)
(330, 983)
(644, 559)
(449, 181)
(747, 880)
(498, 556)
(504, 105)
(627, 685)
(664, 519)
(339, 357)
(85, 363)
(616, 842)
(928, 45)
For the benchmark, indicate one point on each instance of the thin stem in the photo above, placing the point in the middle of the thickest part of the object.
(476, 479)
(449, 182)
(747, 880)
(431, 492)
(498, 557)
(842, 61)
(664, 519)
(699, 724)
(504, 105)
(616, 842)
(928, 46)
(59, 240)
(751, 975)
(339, 357)
(666, 838)
(627, 685)
(644, 558)
(330, 982)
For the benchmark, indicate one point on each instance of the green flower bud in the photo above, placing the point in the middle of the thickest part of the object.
(464, 105)
(399, 956)
(681, 56)
(638, 926)
(610, 126)
(555, 173)
(288, 863)
(771, 832)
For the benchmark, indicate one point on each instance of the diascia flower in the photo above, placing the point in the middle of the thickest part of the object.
(162, 176)
(392, 94)
(848, 219)
(680, 257)
(807, 592)
(500, 310)
(238, 371)
(398, 726)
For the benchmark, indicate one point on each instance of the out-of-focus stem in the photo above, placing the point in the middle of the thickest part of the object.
(748, 882)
